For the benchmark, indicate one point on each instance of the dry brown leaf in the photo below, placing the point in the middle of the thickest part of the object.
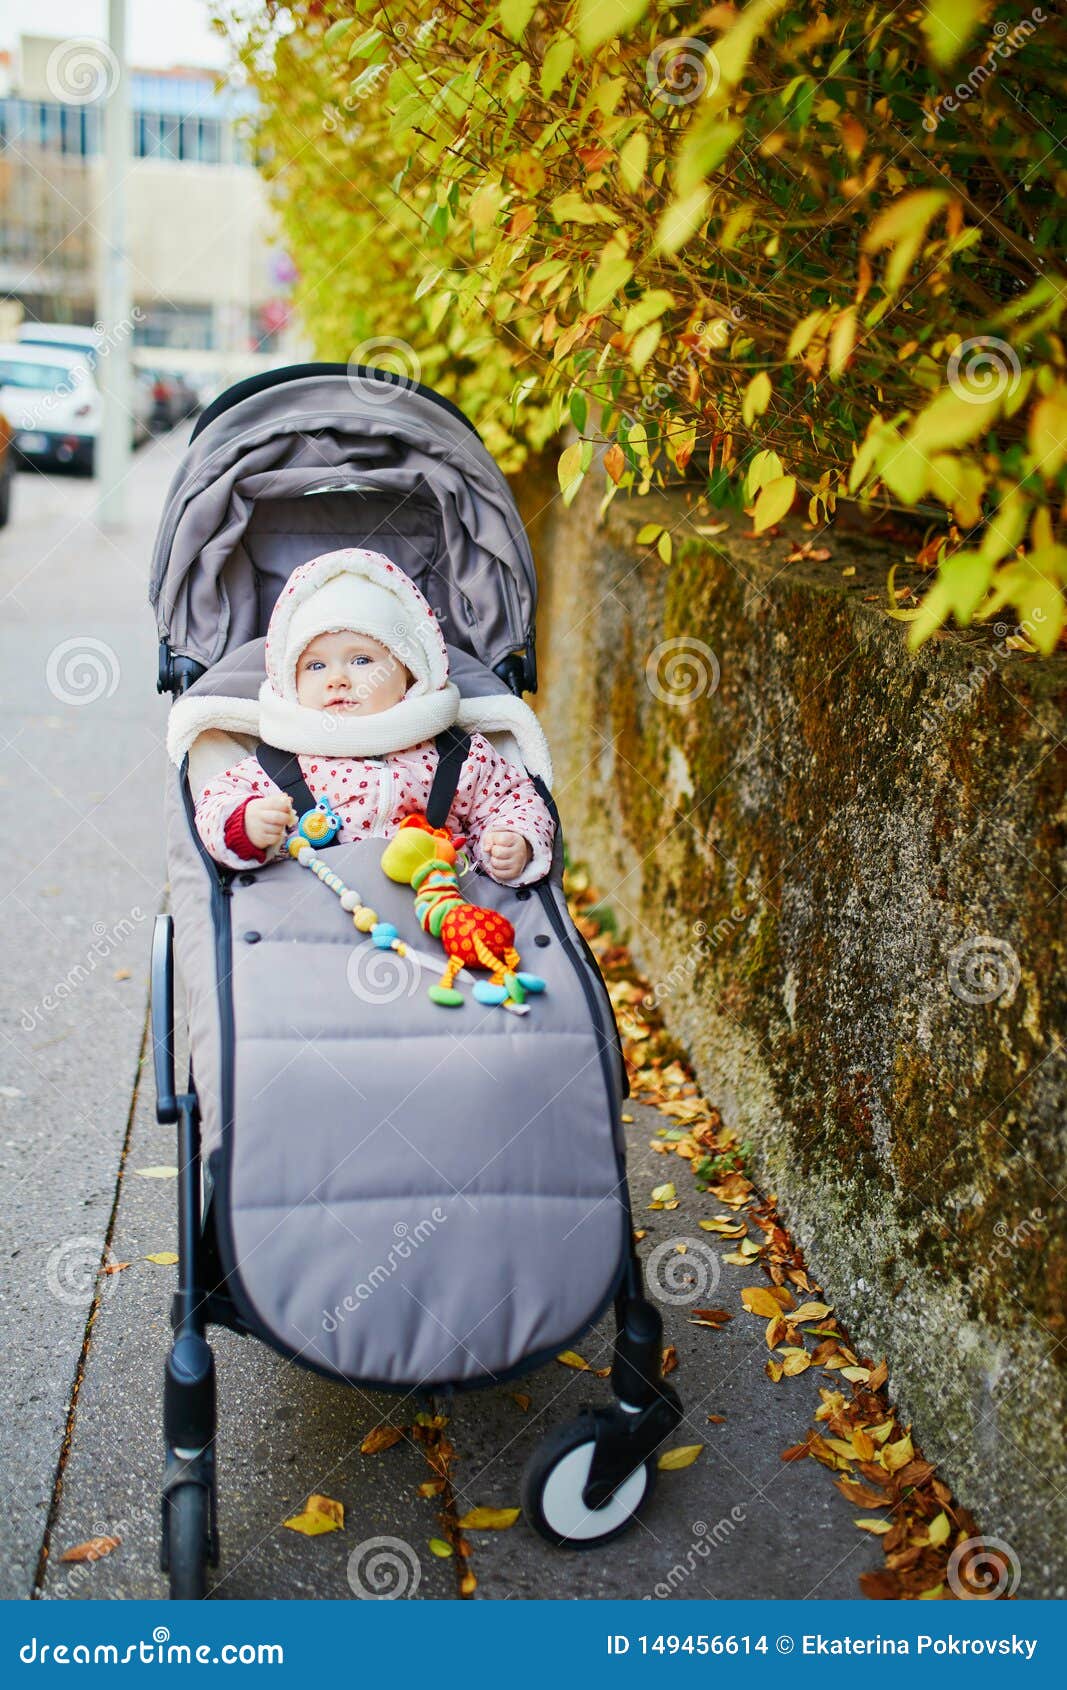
(379, 1438)
(93, 1549)
(522, 1399)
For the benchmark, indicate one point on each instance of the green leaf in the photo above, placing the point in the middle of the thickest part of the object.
(609, 278)
(774, 502)
(949, 25)
(598, 20)
(557, 63)
(579, 410)
(681, 219)
(515, 15)
(337, 30)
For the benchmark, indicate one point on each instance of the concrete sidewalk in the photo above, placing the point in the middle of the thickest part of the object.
(83, 786)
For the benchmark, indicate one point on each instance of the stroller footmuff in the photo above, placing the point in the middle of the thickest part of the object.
(403, 1195)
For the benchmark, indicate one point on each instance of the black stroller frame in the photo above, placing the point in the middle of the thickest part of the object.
(624, 1435)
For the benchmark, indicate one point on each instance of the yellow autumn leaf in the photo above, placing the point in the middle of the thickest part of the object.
(663, 1193)
(876, 1526)
(794, 1361)
(440, 1548)
(571, 1358)
(163, 1258)
(939, 1528)
(813, 1311)
(162, 1172)
(683, 1455)
(320, 1514)
(93, 1549)
(759, 1300)
(489, 1519)
(899, 1454)
(774, 502)
(757, 398)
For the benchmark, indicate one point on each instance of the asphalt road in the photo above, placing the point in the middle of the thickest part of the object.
(80, 1441)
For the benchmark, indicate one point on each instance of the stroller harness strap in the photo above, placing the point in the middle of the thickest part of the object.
(283, 767)
(452, 749)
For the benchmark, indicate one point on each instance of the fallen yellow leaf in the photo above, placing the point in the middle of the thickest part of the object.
(163, 1258)
(440, 1548)
(876, 1526)
(683, 1455)
(157, 1173)
(813, 1311)
(489, 1519)
(320, 1514)
(571, 1358)
(758, 1300)
(940, 1528)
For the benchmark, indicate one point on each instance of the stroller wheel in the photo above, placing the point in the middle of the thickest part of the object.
(188, 1537)
(552, 1488)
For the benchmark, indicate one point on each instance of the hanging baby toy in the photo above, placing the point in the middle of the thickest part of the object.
(424, 858)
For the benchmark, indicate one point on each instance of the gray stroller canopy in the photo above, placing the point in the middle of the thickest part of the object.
(323, 458)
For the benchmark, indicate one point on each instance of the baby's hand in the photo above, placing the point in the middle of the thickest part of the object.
(507, 853)
(266, 820)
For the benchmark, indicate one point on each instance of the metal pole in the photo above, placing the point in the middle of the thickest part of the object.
(113, 447)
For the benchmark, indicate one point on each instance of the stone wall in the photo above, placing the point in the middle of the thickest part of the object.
(840, 865)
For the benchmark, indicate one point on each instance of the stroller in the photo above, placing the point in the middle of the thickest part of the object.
(398, 1195)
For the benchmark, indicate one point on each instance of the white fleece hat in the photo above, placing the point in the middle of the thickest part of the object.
(362, 592)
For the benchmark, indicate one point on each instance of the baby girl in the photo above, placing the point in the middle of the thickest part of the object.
(357, 686)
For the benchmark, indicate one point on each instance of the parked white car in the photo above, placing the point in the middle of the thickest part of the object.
(63, 337)
(52, 402)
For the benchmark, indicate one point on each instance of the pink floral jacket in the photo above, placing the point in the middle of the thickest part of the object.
(372, 795)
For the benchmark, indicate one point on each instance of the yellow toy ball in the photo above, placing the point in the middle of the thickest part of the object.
(364, 918)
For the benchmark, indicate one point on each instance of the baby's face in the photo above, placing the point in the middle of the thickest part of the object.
(349, 674)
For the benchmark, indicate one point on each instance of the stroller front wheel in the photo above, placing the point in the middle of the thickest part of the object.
(188, 1533)
(552, 1487)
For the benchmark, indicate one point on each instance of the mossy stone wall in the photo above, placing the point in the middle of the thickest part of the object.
(841, 865)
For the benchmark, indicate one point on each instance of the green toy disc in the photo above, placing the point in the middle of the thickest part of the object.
(515, 991)
(446, 995)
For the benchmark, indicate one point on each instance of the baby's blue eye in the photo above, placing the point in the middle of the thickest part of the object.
(361, 657)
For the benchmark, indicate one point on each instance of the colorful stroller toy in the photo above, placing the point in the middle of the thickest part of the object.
(292, 1107)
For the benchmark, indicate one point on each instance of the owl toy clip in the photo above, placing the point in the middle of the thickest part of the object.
(320, 825)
